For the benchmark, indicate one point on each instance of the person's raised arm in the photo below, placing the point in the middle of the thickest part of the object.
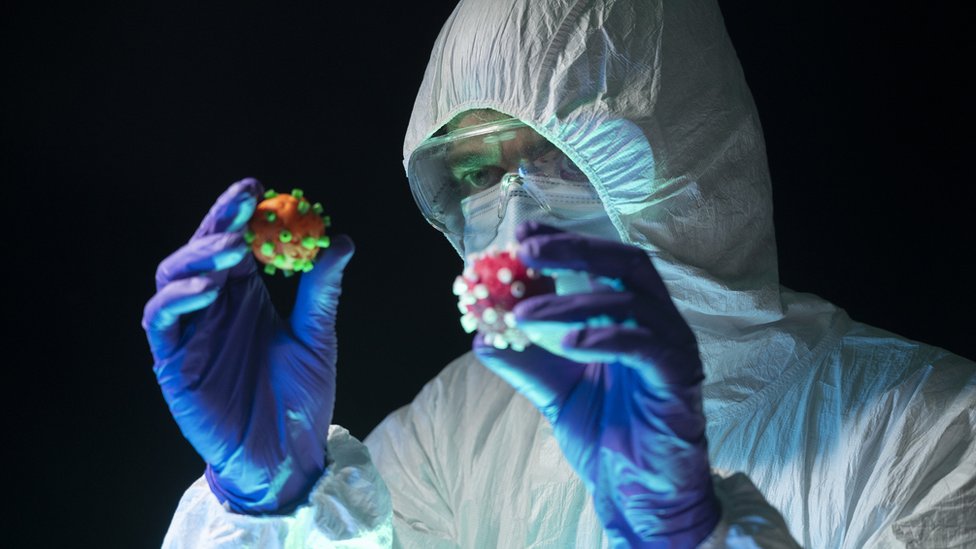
(253, 392)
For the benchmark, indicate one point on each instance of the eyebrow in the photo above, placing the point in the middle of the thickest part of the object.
(468, 159)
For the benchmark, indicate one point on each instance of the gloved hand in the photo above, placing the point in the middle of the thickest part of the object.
(251, 391)
(623, 395)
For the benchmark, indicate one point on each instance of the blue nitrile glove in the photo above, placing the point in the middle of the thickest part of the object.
(623, 395)
(251, 391)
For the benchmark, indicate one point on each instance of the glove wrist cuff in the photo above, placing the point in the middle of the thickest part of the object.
(703, 521)
(269, 498)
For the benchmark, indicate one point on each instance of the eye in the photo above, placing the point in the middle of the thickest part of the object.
(482, 177)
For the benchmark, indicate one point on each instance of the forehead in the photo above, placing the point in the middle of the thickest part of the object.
(504, 146)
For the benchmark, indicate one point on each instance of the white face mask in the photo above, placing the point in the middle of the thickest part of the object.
(573, 206)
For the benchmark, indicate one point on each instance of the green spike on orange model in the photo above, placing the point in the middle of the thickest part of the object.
(283, 237)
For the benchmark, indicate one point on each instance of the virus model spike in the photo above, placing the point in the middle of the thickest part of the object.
(488, 289)
(282, 237)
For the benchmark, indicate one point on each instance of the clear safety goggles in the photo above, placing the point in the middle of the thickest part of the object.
(495, 160)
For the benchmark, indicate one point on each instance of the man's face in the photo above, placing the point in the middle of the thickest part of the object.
(468, 178)
(479, 163)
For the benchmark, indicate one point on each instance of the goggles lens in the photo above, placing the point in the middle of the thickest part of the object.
(499, 158)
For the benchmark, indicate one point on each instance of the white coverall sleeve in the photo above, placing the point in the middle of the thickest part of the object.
(348, 507)
(451, 489)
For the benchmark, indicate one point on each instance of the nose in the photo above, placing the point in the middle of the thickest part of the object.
(509, 182)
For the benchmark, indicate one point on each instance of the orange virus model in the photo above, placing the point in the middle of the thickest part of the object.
(286, 232)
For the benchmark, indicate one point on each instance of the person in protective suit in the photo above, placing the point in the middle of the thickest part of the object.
(691, 401)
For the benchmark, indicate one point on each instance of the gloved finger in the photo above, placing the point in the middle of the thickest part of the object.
(313, 318)
(233, 208)
(590, 308)
(162, 313)
(661, 362)
(557, 314)
(209, 253)
(540, 376)
(563, 250)
(534, 228)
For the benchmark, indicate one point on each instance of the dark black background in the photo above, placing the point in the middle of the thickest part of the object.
(121, 123)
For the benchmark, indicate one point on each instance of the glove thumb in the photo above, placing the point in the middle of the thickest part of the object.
(313, 317)
(540, 376)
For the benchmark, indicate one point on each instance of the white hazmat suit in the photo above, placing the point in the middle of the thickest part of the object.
(854, 436)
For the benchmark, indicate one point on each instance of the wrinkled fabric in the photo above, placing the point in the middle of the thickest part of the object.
(871, 445)
(349, 508)
(470, 463)
(858, 437)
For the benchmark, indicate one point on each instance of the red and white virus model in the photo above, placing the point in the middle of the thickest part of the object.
(488, 290)
(286, 232)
